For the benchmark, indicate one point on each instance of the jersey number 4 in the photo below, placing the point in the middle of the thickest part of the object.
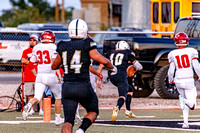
(74, 63)
(183, 61)
(43, 57)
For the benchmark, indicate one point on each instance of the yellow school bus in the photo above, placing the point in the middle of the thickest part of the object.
(165, 14)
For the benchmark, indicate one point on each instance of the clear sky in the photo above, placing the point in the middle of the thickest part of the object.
(5, 4)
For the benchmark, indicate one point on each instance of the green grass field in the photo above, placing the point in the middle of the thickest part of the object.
(143, 115)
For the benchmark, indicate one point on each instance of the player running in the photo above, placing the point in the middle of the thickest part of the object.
(75, 57)
(120, 58)
(182, 61)
(44, 54)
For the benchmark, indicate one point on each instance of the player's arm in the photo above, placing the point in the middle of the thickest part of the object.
(56, 62)
(196, 66)
(195, 63)
(171, 72)
(98, 74)
(137, 65)
(99, 70)
(96, 56)
(55, 54)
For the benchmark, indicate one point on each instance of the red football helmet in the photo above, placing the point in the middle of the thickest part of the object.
(48, 36)
(181, 39)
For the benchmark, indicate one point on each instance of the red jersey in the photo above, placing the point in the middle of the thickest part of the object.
(28, 75)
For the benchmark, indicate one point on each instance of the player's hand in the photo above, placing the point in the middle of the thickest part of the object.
(99, 84)
(60, 80)
(100, 76)
(114, 71)
(199, 80)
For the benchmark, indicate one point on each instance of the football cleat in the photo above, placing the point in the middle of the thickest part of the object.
(115, 113)
(25, 112)
(41, 112)
(182, 102)
(79, 130)
(31, 112)
(59, 121)
(78, 120)
(130, 114)
(185, 126)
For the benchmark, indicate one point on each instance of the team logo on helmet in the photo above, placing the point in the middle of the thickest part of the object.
(181, 39)
(48, 36)
(122, 45)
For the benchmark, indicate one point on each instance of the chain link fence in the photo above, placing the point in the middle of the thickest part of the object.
(14, 41)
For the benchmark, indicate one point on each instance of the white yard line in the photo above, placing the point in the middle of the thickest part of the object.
(192, 116)
(30, 117)
(20, 122)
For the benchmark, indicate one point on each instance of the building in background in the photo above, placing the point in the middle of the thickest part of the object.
(100, 14)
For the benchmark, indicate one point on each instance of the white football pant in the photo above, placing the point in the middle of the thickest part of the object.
(188, 92)
(50, 80)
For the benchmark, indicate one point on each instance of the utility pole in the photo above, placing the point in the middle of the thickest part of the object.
(57, 12)
(111, 13)
(63, 12)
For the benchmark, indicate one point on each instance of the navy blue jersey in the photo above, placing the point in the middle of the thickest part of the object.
(120, 58)
(76, 59)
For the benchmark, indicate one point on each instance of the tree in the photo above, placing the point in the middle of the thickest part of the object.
(31, 11)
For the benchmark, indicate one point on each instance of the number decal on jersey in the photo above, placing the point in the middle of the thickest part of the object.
(118, 59)
(43, 57)
(74, 63)
(183, 61)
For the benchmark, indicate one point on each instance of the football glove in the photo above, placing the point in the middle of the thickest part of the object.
(114, 71)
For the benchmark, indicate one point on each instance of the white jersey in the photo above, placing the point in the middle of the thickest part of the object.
(44, 53)
(182, 61)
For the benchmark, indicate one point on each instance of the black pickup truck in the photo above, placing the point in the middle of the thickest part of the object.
(152, 54)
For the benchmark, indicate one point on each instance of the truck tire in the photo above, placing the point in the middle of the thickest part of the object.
(141, 89)
(162, 86)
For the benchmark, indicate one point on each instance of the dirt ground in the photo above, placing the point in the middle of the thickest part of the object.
(108, 97)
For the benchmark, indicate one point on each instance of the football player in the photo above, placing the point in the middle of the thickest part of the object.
(75, 57)
(120, 57)
(182, 61)
(44, 53)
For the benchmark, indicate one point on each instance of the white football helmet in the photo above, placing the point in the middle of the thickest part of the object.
(78, 29)
(122, 45)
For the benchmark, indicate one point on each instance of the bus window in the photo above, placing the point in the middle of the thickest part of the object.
(195, 8)
(166, 12)
(176, 11)
(155, 12)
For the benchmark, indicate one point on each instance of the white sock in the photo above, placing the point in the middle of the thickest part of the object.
(29, 105)
(77, 110)
(57, 115)
(185, 114)
(189, 103)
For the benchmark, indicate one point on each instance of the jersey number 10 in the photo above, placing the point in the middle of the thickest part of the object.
(183, 61)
